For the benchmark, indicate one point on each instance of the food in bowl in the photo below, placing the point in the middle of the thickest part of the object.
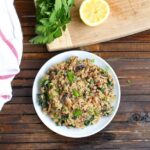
(76, 93)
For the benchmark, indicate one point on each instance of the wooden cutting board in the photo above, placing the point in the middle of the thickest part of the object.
(127, 17)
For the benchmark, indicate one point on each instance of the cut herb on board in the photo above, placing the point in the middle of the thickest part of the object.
(52, 17)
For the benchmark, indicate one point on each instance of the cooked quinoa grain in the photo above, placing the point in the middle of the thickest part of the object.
(76, 93)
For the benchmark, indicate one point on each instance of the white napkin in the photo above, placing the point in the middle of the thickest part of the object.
(10, 48)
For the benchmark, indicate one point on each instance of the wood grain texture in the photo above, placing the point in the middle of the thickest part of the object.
(126, 17)
(20, 127)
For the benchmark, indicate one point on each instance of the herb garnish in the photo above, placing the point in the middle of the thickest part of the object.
(77, 113)
(75, 93)
(52, 17)
(88, 121)
(70, 76)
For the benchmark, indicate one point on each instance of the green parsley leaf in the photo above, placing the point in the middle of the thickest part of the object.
(102, 89)
(77, 113)
(52, 17)
(42, 101)
(70, 2)
(109, 83)
(70, 76)
(75, 93)
(44, 81)
(88, 121)
(58, 4)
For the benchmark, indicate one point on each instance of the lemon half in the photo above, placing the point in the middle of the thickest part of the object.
(94, 12)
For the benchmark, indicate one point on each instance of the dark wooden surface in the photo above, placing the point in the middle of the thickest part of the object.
(20, 127)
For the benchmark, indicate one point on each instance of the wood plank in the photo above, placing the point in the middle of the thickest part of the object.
(143, 37)
(119, 64)
(29, 27)
(29, 74)
(128, 128)
(107, 139)
(122, 73)
(103, 47)
(38, 55)
(27, 21)
(18, 109)
(32, 64)
(28, 8)
(23, 92)
(30, 48)
(125, 107)
(128, 118)
(118, 47)
(104, 55)
(105, 145)
(139, 37)
(136, 87)
(142, 82)
(132, 98)
(24, 100)
(18, 119)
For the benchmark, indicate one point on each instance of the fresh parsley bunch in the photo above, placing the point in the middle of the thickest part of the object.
(52, 17)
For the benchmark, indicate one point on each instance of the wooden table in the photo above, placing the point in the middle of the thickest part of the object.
(20, 127)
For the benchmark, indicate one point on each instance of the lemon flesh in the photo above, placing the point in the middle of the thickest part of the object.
(94, 12)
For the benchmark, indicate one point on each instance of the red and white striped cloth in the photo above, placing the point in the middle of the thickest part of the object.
(10, 48)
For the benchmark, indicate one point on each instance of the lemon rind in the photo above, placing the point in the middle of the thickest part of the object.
(99, 22)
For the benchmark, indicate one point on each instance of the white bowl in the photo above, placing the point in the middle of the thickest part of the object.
(75, 132)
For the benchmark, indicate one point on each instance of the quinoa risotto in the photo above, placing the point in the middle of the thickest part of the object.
(76, 93)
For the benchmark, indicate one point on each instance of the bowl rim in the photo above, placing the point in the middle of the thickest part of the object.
(118, 91)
